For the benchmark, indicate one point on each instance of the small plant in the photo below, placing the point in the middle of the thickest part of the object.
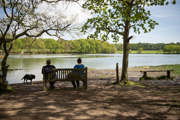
(147, 78)
(142, 78)
(11, 89)
(164, 77)
(161, 77)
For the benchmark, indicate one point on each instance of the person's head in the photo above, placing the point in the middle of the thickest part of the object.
(48, 62)
(79, 60)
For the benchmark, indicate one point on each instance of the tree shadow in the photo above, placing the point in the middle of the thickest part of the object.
(102, 101)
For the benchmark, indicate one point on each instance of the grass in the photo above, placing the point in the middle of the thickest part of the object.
(11, 89)
(131, 84)
(142, 52)
(175, 68)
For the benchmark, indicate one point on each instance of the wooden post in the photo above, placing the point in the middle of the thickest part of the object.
(145, 75)
(168, 74)
(117, 74)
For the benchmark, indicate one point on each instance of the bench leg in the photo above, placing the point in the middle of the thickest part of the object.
(145, 75)
(85, 84)
(44, 86)
(168, 74)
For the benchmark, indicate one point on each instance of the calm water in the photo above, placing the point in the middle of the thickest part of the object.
(33, 64)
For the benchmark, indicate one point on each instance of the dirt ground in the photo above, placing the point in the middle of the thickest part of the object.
(102, 100)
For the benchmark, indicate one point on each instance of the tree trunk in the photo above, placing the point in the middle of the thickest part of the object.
(4, 69)
(124, 75)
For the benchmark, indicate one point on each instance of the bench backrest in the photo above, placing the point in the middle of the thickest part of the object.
(66, 74)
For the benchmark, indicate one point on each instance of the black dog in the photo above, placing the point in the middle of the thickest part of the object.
(28, 77)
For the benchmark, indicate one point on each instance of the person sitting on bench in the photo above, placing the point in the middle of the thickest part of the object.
(48, 69)
(79, 65)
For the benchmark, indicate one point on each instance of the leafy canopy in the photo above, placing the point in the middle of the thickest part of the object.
(111, 16)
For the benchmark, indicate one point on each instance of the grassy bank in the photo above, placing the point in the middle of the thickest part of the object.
(142, 52)
(175, 68)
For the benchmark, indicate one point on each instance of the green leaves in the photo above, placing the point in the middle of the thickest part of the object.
(111, 17)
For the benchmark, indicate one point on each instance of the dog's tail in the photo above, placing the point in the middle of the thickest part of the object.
(22, 78)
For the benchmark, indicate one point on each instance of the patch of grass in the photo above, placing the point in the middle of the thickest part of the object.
(147, 78)
(10, 88)
(164, 77)
(175, 68)
(131, 84)
(142, 52)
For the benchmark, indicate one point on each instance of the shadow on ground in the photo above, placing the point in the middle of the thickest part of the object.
(101, 100)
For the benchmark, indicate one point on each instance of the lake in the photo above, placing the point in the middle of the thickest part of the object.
(32, 64)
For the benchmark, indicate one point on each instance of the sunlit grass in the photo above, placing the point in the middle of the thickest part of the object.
(142, 52)
(11, 89)
(175, 68)
(131, 84)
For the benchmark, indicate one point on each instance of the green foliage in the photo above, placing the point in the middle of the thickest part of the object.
(160, 51)
(147, 46)
(92, 46)
(171, 48)
(52, 45)
(111, 16)
(140, 50)
(10, 88)
(29, 45)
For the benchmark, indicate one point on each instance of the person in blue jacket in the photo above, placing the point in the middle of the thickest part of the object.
(79, 65)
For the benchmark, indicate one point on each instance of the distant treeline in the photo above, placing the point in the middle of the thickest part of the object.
(31, 45)
(145, 46)
(166, 48)
(40, 45)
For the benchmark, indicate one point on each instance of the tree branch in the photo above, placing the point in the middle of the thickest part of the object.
(5, 8)
(129, 38)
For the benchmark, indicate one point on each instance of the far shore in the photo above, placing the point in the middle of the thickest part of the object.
(117, 52)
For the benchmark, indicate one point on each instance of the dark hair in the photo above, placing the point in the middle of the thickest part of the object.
(48, 62)
(79, 60)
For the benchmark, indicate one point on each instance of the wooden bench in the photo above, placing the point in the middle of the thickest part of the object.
(145, 73)
(66, 74)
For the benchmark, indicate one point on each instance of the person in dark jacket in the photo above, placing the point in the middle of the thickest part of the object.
(48, 67)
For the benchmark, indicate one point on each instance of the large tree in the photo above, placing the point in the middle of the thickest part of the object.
(21, 18)
(115, 18)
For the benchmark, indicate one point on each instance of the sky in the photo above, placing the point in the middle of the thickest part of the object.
(167, 31)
